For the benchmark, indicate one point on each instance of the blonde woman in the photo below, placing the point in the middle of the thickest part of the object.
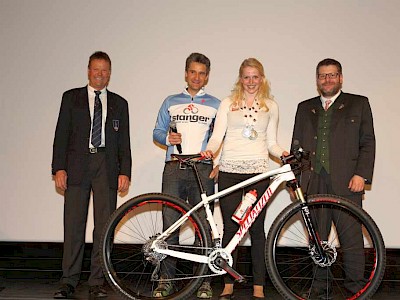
(246, 126)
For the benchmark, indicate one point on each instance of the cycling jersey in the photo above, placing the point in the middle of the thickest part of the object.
(194, 118)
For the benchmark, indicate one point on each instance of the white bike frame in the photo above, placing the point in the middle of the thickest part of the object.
(278, 176)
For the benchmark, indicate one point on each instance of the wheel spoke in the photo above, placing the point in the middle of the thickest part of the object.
(351, 269)
(128, 260)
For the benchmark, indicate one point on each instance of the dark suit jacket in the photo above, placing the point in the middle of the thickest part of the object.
(351, 139)
(71, 141)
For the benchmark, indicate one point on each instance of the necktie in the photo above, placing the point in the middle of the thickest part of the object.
(97, 120)
(327, 103)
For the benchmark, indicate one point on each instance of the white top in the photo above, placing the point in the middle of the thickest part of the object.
(241, 154)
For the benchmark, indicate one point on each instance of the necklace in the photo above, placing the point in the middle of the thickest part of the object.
(250, 115)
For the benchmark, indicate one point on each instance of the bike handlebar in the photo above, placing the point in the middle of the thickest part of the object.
(295, 157)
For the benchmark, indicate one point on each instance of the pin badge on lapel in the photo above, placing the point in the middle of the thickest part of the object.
(115, 125)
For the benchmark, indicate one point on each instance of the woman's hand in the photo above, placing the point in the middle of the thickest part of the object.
(207, 154)
(214, 173)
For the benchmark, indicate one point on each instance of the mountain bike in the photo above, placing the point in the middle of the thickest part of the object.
(302, 262)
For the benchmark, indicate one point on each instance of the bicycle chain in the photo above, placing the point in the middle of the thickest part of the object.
(191, 277)
(185, 278)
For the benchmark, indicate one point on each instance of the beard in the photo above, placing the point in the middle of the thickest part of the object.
(331, 91)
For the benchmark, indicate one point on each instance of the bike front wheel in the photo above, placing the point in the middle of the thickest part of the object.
(355, 256)
(133, 269)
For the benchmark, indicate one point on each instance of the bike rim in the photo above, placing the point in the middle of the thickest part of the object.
(127, 266)
(295, 272)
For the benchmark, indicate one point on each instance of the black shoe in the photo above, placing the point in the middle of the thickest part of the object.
(226, 297)
(257, 298)
(64, 292)
(97, 291)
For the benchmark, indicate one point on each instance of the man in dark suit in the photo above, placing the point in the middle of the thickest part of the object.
(91, 153)
(337, 129)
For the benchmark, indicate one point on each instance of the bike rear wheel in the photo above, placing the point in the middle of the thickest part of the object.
(352, 271)
(128, 262)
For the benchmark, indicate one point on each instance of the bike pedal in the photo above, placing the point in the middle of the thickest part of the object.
(222, 263)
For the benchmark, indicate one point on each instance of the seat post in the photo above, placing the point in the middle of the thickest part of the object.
(202, 190)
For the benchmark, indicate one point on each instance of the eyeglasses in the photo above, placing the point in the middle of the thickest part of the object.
(329, 75)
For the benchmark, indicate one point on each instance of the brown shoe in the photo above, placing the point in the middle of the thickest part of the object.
(226, 297)
(97, 291)
(64, 292)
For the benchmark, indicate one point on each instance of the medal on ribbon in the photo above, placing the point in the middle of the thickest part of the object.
(246, 132)
(253, 134)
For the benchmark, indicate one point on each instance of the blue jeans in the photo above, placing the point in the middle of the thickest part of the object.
(182, 183)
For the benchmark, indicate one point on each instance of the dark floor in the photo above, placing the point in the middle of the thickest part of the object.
(42, 289)
(32, 270)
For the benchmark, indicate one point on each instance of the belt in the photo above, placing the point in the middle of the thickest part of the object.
(96, 150)
(184, 166)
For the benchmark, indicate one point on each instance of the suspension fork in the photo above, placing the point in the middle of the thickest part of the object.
(305, 212)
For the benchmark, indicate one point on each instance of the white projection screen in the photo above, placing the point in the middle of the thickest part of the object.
(45, 46)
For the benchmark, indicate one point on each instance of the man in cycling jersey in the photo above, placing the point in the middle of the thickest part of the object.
(184, 125)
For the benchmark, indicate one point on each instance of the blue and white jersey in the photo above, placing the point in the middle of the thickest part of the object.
(194, 118)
